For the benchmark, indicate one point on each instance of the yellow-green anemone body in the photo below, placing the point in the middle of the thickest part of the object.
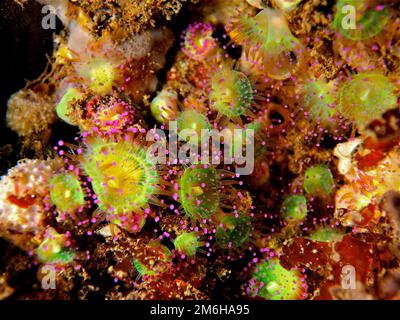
(121, 176)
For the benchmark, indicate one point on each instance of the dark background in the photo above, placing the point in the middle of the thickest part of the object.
(24, 46)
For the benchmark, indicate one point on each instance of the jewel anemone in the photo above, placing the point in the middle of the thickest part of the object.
(320, 102)
(318, 180)
(109, 116)
(232, 231)
(231, 93)
(53, 249)
(269, 46)
(141, 269)
(164, 107)
(123, 179)
(366, 97)
(271, 281)
(63, 108)
(326, 234)
(99, 74)
(187, 243)
(199, 191)
(294, 208)
(66, 192)
(198, 42)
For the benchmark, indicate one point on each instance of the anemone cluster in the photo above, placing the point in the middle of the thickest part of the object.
(145, 200)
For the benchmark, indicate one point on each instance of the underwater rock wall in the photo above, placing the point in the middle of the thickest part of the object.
(209, 149)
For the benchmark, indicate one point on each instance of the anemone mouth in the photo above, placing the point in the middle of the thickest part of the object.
(276, 117)
(199, 191)
(122, 178)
